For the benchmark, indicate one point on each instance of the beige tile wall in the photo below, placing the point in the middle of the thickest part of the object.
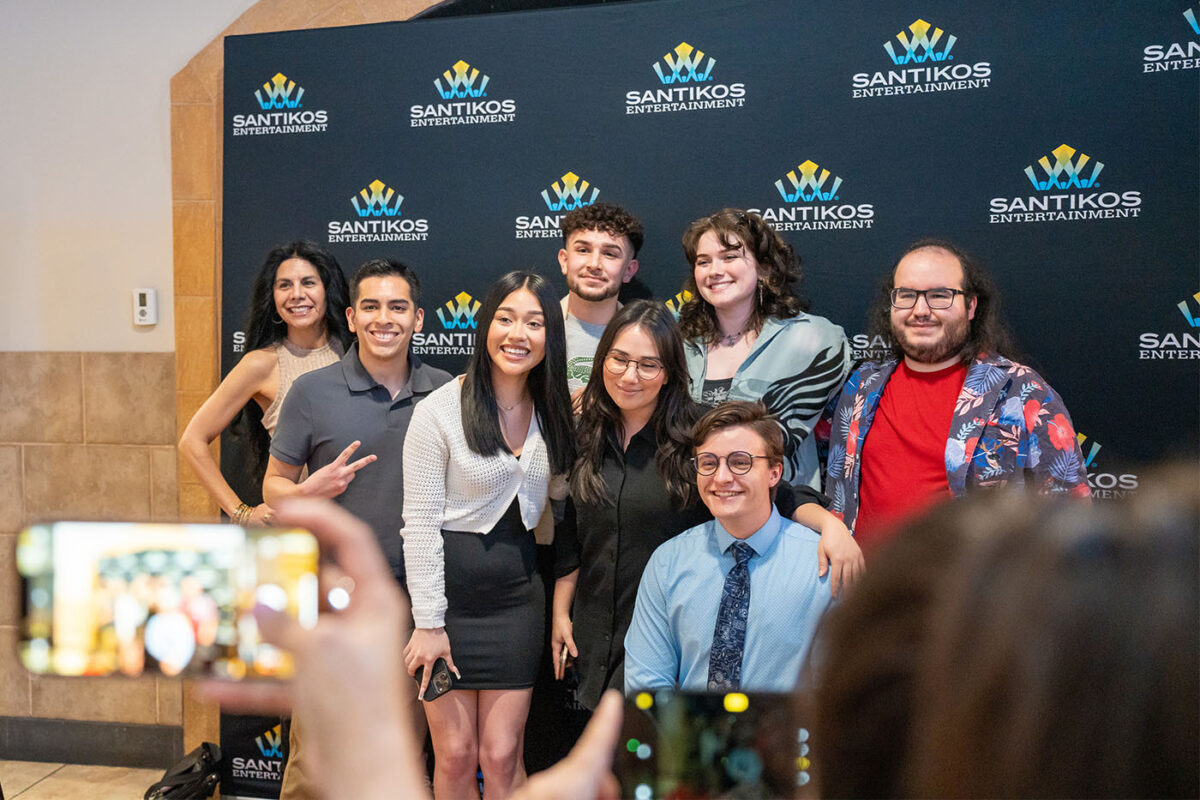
(83, 436)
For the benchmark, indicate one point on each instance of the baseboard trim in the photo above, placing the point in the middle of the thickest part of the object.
(112, 744)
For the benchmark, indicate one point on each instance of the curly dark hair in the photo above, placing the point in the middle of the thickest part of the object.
(778, 271)
(606, 217)
(987, 331)
(600, 427)
(262, 330)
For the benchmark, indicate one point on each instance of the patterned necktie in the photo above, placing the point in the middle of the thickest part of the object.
(729, 635)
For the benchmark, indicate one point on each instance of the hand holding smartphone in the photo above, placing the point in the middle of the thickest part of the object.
(440, 681)
(104, 598)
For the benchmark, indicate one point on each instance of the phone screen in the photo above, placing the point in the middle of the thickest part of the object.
(105, 598)
(693, 744)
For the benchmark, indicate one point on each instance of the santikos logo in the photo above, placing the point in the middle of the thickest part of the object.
(687, 71)
(920, 46)
(684, 65)
(1066, 171)
(1174, 346)
(270, 744)
(379, 218)
(676, 304)
(462, 83)
(378, 200)
(459, 313)
(279, 98)
(1065, 176)
(808, 186)
(1178, 55)
(1104, 485)
(813, 189)
(570, 192)
(463, 87)
(457, 316)
(925, 44)
(567, 193)
(277, 93)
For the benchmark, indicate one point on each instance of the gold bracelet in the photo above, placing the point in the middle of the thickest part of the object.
(242, 513)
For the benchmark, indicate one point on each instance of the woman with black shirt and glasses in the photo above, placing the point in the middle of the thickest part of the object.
(632, 488)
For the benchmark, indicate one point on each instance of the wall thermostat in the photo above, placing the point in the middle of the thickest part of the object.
(145, 306)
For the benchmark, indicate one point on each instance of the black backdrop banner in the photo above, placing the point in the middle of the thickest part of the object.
(1059, 144)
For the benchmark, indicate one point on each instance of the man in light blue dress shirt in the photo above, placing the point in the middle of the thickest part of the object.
(685, 603)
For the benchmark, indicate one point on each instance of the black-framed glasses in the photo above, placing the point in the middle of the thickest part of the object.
(647, 370)
(938, 298)
(739, 462)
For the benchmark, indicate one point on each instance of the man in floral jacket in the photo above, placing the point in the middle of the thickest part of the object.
(950, 412)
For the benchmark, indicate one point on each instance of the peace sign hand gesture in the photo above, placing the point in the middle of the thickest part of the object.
(333, 478)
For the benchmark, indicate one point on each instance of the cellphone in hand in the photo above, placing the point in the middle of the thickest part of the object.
(440, 681)
(104, 598)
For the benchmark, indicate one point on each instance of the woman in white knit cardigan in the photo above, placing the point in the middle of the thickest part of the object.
(478, 459)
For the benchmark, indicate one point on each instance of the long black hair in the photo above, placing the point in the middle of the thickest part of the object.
(600, 424)
(264, 328)
(547, 381)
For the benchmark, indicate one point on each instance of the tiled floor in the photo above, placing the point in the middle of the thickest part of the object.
(31, 780)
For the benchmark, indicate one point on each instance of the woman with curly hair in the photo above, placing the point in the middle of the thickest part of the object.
(748, 336)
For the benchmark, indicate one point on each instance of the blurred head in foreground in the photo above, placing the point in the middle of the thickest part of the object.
(1021, 646)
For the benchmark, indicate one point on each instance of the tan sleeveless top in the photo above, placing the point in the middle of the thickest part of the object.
(294, 362)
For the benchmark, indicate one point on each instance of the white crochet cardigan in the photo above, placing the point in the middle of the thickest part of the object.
(446, 485)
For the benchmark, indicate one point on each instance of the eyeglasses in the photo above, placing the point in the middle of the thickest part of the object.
(646, 369)
(938, 298)
(739, 462)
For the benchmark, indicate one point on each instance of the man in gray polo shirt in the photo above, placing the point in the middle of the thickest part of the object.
(360, 407)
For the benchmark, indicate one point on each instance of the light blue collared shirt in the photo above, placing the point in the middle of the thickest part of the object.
(671, 635)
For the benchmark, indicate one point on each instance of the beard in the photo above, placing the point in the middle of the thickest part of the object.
(593, 295)
(954, 334)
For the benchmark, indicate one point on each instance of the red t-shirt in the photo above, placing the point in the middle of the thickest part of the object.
(904, 454)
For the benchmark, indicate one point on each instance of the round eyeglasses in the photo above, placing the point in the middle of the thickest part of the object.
(739, 462)
(938, 298)
(647, 370)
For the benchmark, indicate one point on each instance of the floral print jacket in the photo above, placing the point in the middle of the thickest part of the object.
(1009, 428)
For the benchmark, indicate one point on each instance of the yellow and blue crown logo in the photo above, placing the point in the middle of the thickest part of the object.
(461, 82)
(270, 744)
(378, 200)
(570, 192)
(1190, 15)
(809, 185)
(920, 46)
(685, 64)
(277, 93)
(1091, 454)
(1193, 320)
(676, 304)
(1065, 172)
(459, 312)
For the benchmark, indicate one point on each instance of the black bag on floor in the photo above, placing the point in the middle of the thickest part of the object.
(193, 778)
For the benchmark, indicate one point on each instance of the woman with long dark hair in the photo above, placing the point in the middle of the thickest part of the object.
(478, 458)
(297, 323)
(749, 337)
(632, 488)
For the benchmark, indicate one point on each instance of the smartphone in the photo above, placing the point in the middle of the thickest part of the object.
(440, 682)
(694, 744)
(128, 598)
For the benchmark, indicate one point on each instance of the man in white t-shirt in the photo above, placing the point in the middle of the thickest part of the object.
(599, 254)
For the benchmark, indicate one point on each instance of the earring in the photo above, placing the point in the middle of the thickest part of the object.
(278, 320)
(760, 293)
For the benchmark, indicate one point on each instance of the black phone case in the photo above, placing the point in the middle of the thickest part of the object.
(440, 682)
